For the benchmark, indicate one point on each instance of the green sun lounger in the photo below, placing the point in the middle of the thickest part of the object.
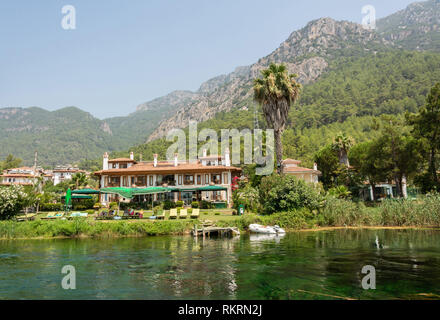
(51, 216)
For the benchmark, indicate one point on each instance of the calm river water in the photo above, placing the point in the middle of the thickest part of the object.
(303, 265)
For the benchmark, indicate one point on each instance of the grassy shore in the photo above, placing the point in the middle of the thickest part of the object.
(422, 213)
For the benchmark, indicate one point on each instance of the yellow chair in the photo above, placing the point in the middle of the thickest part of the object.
(173, 214)
(183, 213)
(195, 213)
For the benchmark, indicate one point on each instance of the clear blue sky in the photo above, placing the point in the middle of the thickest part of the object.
(124, 53)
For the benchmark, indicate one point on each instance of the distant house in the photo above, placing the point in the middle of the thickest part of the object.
(291, 167)
(23, 176)
(62, 173)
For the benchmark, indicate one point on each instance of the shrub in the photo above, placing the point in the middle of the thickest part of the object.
(205, 204)
(296, 219)
(285, 193)
(194, 204)
(217, 213)
(51, 206)
(179, 204)
(84, 204)
(167, 205)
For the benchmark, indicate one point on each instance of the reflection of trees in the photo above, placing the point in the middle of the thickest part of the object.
(407, 263)
(331, 262)
(404, 262)
(199, 268)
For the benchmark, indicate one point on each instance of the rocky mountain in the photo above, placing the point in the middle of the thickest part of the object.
(415, 28)
(306, 52)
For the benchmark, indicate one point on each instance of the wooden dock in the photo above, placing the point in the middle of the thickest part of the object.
(214, 231)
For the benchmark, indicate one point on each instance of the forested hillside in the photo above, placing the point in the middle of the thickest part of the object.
(348, 98)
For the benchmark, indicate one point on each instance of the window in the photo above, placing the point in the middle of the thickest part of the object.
(140, 181)
(115, 181)
(189, 179)
(199, 179)
(206, 178)
(225, 178)
(123, 166)
(216, 178)
(114, 166)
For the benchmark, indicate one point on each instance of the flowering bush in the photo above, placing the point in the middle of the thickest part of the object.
(12, 200)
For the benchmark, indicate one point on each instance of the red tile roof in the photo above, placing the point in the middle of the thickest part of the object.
(121, 160)
(166, 167)
(291, 161)
(300, 170)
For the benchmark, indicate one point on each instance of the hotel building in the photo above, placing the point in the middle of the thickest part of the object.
(189, 181)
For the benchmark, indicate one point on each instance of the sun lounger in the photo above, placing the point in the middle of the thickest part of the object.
(173, 214)
(183, 213)
(160, 214)
(51, 216)
(195, 213)
(26, 217)
(78, 215)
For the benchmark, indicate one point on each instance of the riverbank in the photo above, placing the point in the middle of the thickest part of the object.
(81, 228)
(335, 213)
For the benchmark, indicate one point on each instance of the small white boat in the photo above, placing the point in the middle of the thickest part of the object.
(258, 228)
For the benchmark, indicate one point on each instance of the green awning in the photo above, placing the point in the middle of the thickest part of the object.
(212, 188)
(151, 190)
(85, 191)
(205, 188)
(123, 192)
(129, 193)
(78, 197)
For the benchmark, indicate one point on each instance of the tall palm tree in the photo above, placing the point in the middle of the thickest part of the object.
(342, 144)
(276, 92)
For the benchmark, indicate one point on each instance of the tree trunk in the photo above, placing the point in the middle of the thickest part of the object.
(398, 182)
(279, 150)
(343, 158)
(432, 168)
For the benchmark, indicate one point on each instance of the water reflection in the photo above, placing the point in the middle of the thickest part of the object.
(312, 265)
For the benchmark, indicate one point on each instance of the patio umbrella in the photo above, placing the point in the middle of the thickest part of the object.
(68, 199)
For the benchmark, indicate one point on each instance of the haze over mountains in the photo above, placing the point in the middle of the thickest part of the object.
(69, 135)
